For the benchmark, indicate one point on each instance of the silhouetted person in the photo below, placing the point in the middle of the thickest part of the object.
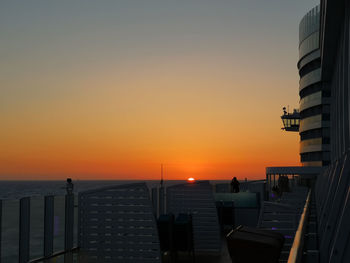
(69, 186)
(234, 185)
(276, 190)
(283, 183)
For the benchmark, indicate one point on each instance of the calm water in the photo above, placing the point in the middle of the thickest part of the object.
(19, 189)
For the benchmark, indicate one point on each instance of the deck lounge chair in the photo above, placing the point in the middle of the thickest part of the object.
(117, 224)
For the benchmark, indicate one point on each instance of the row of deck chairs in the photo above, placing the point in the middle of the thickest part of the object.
(332, 196)
(117, 224)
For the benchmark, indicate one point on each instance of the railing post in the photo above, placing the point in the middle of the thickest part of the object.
(69, 222)
(80, 199)
(24, 229)
(155, 201)
(48, 225)
(0, 226)
(161, 200)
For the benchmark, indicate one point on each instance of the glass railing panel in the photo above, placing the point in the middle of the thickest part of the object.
(59, 223)
(310, 23)
(75, 241)
(10, 231)
(36, 244)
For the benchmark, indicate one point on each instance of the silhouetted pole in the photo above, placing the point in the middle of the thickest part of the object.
(161, 175)
(161, 192)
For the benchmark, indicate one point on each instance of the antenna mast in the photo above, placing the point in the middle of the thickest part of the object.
(161, 175)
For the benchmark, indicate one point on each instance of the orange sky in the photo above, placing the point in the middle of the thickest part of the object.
(126, 133)
(204, 99)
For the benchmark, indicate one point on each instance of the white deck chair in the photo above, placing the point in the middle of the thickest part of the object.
(117, 224)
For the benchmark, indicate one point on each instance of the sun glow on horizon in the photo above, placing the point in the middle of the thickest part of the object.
(191, 180)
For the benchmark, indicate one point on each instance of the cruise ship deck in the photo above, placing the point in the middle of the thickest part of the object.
(123, 223)
(120, 222)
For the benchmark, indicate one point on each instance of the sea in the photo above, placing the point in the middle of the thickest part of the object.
(10, 190)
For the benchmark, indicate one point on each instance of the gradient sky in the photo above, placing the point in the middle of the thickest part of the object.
(111, 89)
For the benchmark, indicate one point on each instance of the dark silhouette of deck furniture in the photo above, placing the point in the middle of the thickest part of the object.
(226, 214)
(197, 199)
(183, 235)
(165, 224)
(117, 224)
(176, 235)
(251, 245)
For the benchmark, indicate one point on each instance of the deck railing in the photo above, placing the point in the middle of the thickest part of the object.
(34, 229)
(47, 223)
(296, 251)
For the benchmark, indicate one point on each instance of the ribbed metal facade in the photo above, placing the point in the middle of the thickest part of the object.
(335, 72)
(314, 98)
(332, 189)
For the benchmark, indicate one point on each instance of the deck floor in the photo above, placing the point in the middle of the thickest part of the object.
(182, 257)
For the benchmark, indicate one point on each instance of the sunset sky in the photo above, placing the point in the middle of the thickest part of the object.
(112, 89)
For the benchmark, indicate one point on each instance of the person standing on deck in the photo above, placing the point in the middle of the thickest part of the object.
(69, 186)
(234, 185)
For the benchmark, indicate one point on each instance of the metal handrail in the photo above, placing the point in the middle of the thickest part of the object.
(296, 251)
(54, 255)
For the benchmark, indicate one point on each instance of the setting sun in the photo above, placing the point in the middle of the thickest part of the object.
(191, 180)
